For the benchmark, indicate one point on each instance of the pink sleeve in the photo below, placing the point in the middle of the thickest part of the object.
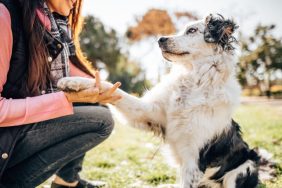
(74, 71)
(32, 109)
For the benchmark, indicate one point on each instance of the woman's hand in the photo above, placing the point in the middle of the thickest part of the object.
(95, 94)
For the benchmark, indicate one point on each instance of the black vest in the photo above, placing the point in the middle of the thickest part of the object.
(17, 75)
(18, 65)
(18, 72)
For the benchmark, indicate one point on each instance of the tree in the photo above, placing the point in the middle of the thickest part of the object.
(156, 22)
(148, 27)
(101, 46)
(98, 44)
(261, 58)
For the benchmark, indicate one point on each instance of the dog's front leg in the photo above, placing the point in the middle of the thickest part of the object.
(140, 113)
(190, 176)
(75, 83)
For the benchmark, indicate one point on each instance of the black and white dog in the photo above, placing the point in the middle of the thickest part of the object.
(192, 107)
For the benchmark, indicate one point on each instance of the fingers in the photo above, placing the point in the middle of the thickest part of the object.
(90, 95)
(94, 94)
(89, 92)
(111, 100)
(108, 93)
(113, 89)
(98, 80)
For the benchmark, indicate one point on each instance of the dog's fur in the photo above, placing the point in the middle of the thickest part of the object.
(192, 107)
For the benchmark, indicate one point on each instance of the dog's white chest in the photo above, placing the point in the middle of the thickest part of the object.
(185, 94)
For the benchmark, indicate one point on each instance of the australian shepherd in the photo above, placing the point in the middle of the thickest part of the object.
(192, 107)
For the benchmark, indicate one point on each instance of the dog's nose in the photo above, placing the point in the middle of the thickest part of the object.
(162, 40)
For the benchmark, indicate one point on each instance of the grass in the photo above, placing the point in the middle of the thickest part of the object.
(262, 127)
(276, 92)
(127, 159)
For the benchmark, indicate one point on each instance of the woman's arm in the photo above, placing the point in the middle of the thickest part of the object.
(32, 109)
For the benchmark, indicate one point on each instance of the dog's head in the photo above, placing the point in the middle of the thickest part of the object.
(204, 38)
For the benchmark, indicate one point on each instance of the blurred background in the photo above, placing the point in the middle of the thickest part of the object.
(120, 38)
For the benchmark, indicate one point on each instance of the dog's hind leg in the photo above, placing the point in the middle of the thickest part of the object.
(246, 175)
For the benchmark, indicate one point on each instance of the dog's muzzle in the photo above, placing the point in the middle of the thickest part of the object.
(162, 41)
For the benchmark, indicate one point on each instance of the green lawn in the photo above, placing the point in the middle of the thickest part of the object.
(127, 158)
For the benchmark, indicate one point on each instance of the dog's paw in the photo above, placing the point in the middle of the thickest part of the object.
(75, 83)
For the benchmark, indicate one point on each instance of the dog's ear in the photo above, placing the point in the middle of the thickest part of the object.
(208, 19)
(207, 35)
(220, 31)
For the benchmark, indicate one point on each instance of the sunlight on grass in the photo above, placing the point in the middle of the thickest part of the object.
(127, 160)
(262, 127)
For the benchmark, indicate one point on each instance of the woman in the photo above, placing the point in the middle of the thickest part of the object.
(41, 133)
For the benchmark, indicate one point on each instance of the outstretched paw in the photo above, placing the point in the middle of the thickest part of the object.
(75, 83)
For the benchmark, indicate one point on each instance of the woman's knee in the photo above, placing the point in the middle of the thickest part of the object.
(99, 118)
(108, 123)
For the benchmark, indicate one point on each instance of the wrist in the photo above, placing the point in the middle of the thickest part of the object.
(68, 96)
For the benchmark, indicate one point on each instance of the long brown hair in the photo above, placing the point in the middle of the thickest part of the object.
(38, 75)
(76, 24)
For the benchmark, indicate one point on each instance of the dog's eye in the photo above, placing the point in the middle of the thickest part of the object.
(191, 30)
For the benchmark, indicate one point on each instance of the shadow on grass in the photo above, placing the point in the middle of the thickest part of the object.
(105, 165)
(158, 179)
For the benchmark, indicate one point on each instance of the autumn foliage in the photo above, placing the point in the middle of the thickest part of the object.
(154, 22)
(188, 15)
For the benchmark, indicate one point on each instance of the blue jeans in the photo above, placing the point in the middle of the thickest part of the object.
(56, 146)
